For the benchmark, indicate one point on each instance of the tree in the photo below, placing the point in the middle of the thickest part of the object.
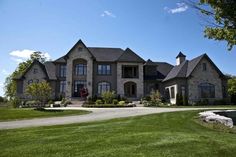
(232, 89)
(39, 91)
(221, 18)
(10, 84)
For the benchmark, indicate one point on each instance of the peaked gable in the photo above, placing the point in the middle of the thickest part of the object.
(22, 76)
(130, 56)
(80, 42)
(186, 68)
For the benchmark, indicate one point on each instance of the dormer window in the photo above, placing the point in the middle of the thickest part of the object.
(204, 67)
(80, 49)
(35, 70)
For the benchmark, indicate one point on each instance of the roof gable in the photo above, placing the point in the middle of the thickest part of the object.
(185, 69)
(130, 56)
(78, 43)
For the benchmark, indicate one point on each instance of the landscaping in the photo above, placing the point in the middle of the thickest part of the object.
(108, 99)
(28, 113)
(165, 134)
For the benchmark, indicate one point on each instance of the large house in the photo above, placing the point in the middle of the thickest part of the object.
(103, 69)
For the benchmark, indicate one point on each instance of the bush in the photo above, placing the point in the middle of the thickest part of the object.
(115, 101)
(155, 96)
(203, 102)
(121, 103)
(108, 96)
(15, 102)
(50, 102)
(98, 102)
(32, 103)
(118, 97)
(179, 100)
(65, 102)
(221, 102)
(2, 99)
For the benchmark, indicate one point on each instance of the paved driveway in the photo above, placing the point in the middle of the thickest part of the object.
(96, 115)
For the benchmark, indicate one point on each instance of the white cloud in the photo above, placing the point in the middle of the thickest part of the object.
(21, 55)
(17, 60)
(108, 13)
(5, 72)
(181, 7)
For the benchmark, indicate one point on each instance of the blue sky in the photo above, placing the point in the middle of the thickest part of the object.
(158, 30)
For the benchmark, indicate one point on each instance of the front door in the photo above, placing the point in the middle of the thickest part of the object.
(77, 87)
(130, 89)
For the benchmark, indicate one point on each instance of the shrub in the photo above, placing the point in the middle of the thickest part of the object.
(115, 101)
(185, 101)
(32, 103)
(121, 103)
(2, 99)
(98, 102)
(118, 97)
(179, 99)
(203, 102)
(155, 97)
(108, 96)
(65, 102)
(50, 102)
(15, 102)
(94, 98)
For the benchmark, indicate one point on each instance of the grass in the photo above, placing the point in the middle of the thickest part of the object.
(157, 135)
(7, 114)
(206, 106)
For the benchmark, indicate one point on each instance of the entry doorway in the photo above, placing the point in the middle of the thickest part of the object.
(78, 85)
(130, 89)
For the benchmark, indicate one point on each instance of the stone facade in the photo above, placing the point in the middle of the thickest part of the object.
(138, 81)
(34, 74)
(199, 76)
(78, 53)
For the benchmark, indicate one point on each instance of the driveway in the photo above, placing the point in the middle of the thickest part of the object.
(97, 114)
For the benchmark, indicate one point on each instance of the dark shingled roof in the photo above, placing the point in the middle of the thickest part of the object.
(162, 69)
(150, 62)
(185, 69)
(60, 60)
(51, 70)
(180, 55)
(129, 56)
(106, 54)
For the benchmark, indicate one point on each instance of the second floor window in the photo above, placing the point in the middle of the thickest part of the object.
(104, 69)
(130, 71)
(80, 69)
(63, 71)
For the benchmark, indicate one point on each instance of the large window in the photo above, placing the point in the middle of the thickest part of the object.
(62, 70)
(104, 69)
(103, 87)
(80, 69)
(130, 71)
(172, 92)
(206, 90)
(62, 86)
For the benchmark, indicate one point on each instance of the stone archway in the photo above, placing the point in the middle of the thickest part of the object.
(130, 89)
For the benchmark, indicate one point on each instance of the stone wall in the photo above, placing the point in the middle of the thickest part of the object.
(199, 76)
(30, 75)
(74, 54)
(121, 81)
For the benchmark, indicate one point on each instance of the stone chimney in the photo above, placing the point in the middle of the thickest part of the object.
(180, 58)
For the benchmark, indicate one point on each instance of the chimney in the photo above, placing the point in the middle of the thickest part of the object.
(180, 58)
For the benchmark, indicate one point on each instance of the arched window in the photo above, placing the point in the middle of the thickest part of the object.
(103, 87)
(206, 90)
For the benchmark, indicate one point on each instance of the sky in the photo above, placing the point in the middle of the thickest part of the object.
(155, 29)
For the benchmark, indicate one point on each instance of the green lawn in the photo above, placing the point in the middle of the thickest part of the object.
(20, 113)
(164, 135)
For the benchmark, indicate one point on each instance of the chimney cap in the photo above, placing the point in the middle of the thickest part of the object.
(180, 55)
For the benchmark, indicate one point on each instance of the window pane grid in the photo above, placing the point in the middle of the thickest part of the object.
(104, 69)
